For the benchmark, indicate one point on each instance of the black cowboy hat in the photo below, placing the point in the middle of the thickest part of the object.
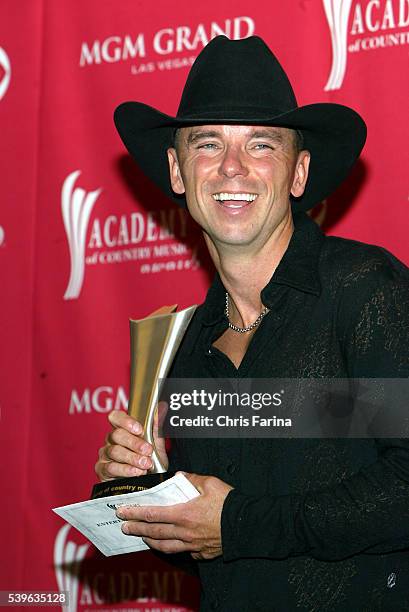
(241, 82)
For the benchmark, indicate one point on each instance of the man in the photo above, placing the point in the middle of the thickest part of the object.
(281, 524)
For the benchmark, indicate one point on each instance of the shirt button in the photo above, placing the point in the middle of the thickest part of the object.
(209, 352)
(231, 468)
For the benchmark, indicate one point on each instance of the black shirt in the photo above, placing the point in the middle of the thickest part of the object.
(312, 524)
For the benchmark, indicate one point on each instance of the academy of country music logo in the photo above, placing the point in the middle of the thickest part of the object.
(152, 52)
(92, 585)
(5, 72)
(76, 205)
(373, 24)
(67, 561)
(148, 238)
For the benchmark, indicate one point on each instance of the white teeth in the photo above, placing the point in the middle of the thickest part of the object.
(222, 197)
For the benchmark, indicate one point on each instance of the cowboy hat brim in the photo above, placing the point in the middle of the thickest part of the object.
(334, 134)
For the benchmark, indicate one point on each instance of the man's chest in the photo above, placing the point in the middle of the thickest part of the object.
(234, 345)
(297, 339)
(300, 342)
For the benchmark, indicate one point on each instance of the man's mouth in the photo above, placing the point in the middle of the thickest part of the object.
(234, 200)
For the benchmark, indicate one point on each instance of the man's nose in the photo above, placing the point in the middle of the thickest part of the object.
(233, 163)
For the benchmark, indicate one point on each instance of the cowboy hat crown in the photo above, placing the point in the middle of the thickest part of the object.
(241, 82)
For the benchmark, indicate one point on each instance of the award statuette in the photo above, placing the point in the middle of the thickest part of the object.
(154, 343)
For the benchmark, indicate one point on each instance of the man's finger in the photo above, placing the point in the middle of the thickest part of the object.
(167, 546)
(117, 418)
(107, 470)
(150, 514)
(119, 454)
(122, 437)
(156, 531)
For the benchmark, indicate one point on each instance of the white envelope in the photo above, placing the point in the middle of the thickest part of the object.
(96, 518)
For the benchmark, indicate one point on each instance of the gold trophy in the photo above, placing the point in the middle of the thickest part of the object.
(154, 343)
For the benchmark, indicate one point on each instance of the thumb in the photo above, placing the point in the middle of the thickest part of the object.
(159, 418)
(162, 412)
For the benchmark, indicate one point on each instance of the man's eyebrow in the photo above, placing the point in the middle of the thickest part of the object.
(271, 135)
(275, 135)
(195, 136)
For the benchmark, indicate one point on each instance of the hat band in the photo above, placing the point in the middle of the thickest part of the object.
(233, 113)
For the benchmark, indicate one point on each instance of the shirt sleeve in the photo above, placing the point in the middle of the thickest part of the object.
(369, 511)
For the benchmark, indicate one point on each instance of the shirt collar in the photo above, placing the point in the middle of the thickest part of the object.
(298, 269)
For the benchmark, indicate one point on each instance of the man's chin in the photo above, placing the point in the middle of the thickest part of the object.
(222, 240)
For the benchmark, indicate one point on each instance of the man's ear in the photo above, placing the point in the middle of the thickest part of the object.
(174, 171)
(300, 173)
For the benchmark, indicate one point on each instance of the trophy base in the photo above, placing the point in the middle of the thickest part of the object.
(132, 484)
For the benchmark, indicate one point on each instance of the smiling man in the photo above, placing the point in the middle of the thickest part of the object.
(239, 179)
(281, 524)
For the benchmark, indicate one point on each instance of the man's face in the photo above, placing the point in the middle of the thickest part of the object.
(237, 180)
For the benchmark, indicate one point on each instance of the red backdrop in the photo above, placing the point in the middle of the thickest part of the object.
(87, 242)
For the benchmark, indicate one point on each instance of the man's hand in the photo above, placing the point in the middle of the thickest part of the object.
(125, 452)
(193, 526)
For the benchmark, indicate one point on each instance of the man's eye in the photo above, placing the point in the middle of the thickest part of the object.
(262, 145)
(207, 145)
